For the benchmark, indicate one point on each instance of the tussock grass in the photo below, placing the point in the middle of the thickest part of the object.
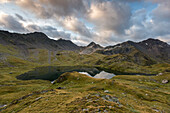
(81, 93)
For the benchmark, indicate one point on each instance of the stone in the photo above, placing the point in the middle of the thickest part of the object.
(86, 109)
(110, 107)
(38, 98)
(105, 111)
(52, 82)
(156, 110)
(165, 81)
(1, 106)
(106, 91)
(159, 74)
(97, 95)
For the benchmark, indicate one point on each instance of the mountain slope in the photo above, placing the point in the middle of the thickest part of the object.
(35, 40)
(151, 49)
(33, 47)
(92, 47)
(37, 47)
(156, 49)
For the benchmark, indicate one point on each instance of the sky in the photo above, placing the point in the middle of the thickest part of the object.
(106, 22)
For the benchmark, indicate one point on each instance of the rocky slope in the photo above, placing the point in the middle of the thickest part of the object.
(148, 49)
(92, 47)
(147, 52)
(35, 40)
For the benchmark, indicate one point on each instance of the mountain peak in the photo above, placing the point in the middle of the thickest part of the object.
(151, 42)
(94, 45)
(91, 44)
(60, 39)
(152, 39)
(37, 35)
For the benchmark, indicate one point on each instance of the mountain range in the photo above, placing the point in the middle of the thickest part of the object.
(150, 49)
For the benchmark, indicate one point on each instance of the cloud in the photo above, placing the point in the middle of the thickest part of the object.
(160, 22)
(54, 8)
(162, 12)
(110, 15)
(76, 26)
(165, 38)
(50, 31)
(103, 21)
(5, 1)
(11, 23)
(157, 25)
(20, 17)
(138, 29)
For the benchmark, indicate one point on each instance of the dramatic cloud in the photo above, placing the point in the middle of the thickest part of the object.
(54, 8)
(110, 16)
(75, 25)
(105, 21)
(9, 22)
(50, 31)
(156, 27)
(138, 28)
(161, 18)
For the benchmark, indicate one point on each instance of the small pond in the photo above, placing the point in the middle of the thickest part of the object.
(51, 73)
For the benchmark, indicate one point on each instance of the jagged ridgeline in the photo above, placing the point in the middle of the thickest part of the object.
(36, 47)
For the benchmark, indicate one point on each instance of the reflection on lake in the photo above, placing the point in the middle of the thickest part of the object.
(85, 73)
(104, 75)
(51, 73)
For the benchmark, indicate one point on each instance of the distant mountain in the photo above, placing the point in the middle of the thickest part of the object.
(156, 49)
(36, 40)
(152, 49)
(29, 46)
(92, 47)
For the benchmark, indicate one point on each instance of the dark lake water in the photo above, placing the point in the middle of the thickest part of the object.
(51, 73)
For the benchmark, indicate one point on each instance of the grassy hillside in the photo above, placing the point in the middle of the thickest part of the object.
(81, 93)
(78, 92)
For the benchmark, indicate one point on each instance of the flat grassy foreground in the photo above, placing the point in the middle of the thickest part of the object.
(74, 92)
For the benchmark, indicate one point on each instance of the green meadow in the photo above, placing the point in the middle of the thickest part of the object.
(75, 92)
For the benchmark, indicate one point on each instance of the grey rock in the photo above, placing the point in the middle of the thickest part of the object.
(110, 107)
(106, 91)
(159, 74)
(165, 81)
(156, 110)
(85, 109)
(1, 106)
(38, 98)
(97, 95)
(105, 111)
(53, 82)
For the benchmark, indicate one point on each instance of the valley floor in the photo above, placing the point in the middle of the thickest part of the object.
(75, 92)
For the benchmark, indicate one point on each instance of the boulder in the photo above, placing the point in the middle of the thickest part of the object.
(165, 81)
(106, 91)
